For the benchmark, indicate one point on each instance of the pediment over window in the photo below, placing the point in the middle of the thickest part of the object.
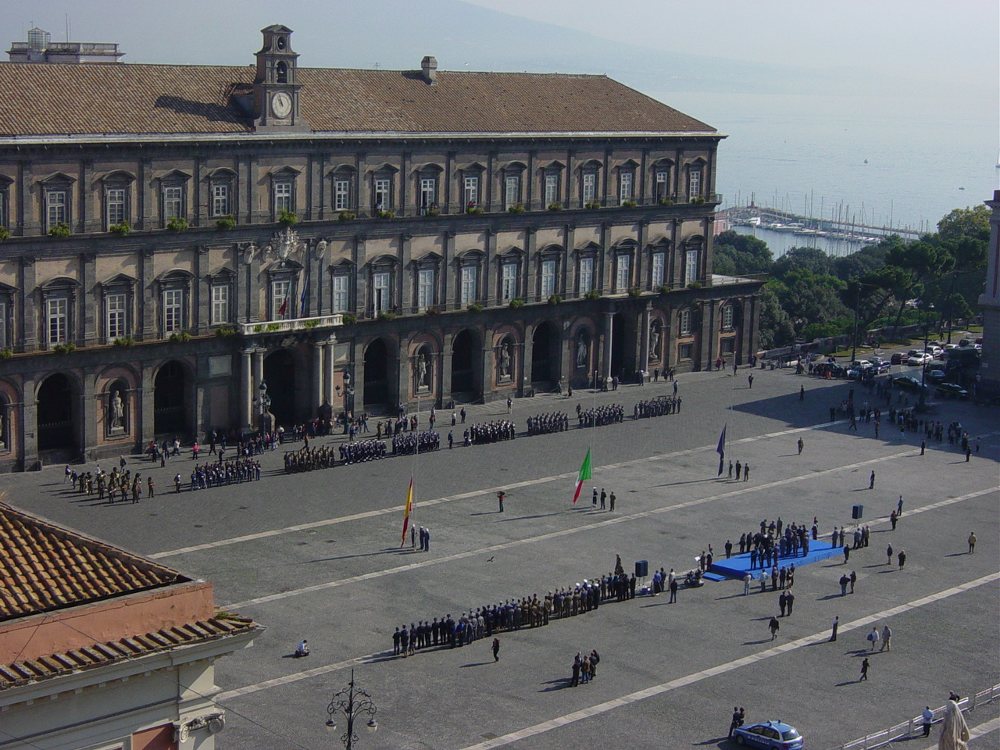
(342, 169)
(286, 173)
(286, 265)
(427, 259)
(174, 176)
(222, 173)
(383, 261)
(511, 253)
(629, 164)
(428, 167)
(222, 276)
(118, 176)
(660, 241)
(5, 180)
(698, 161)
(551, 250)
(626, 245)
(665, 162)
(6, 290)
(386, 167)
(59, 283)
(175, 276)
(555, 164)
(120, 279)
(344, 265)
(57, 178)
(591, 248)
(473, 167)
(514, 166)
(469, 256)
(590, 164)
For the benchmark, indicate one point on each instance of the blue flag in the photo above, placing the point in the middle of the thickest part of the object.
(721, 448)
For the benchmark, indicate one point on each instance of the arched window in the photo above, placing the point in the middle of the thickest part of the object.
(282, 70)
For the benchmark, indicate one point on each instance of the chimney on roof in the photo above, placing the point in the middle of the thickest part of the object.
(429, 69)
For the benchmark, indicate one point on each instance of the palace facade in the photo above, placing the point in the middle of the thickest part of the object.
(182, 243)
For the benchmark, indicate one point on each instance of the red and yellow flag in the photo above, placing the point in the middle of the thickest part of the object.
(406, 511)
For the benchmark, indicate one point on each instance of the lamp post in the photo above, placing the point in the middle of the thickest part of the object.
(923, 363)
(353, 702)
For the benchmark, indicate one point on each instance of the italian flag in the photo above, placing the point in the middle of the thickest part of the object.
(585, 474)
(406, 511)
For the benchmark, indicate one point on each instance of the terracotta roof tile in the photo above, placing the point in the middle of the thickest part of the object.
(45, 567)
(102, 654)
(159, 99)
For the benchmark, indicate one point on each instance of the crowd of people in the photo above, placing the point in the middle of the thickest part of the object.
(307, 459)
(405, 444)
(776, 540)
(598, 416)
(656, 407)
(490, 432)
(543, 424)
(215, 474)
(361, 451)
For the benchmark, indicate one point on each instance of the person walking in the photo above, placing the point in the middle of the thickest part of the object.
(874, 637)
(801, 444)
(750, 380)
(927, 717)
(735, 722)
(747, 578)
(774, 626)
(871, 480)
(886, 638)
(864, 669)
(972, 542)
(496, 650)
(902, 558)
(802, 393)
(844, 580)
(836, 624)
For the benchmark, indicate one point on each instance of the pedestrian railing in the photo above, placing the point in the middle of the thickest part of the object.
(915, 726)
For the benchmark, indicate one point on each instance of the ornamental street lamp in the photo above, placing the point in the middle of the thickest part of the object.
(923, 362)
(353, 703)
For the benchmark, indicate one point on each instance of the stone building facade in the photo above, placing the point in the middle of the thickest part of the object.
(175, 237)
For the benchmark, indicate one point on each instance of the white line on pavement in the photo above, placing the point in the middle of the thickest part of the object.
(574, 530)
(461, 496)
(367, 658)
(665, 687)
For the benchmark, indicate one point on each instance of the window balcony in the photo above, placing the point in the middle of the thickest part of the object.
(292, 326)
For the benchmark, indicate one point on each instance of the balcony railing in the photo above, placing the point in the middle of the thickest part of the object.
(292, 326)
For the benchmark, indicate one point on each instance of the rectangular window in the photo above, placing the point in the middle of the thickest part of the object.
(381, 292)
(685, 320)
(55, 208)
(661, 185)
(220, 304)
(425, 288)
(173, 310)
(282, 197)
(727, 345)
(623, 273)
(470, 191)
(551, 189)
(694, 182)
(589, 188)
(341, 293)
(57, 318)
(220, 200)
(657, 274)
(548, 278)
(727, 317)
(512, 191)
(684, 351)
(173, 203)
(281, 300)
(341, 195)
(428, 193)
(115, 198)
(625, 187)
(469, 289)
(116, 313)
(508, 282)
(383, 194)
(586, 275)
(690, 266)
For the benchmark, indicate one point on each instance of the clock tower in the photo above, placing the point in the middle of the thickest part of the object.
(276, 88)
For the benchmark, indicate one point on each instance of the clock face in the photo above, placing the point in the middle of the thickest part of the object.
(281, 105)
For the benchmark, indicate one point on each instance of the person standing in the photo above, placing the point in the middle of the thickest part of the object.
(773, 626)
(500, 496)
(750, 380)
(593, 498)
(864, 669)
(746, 583)
(729, 548)
(790, 601)
(927, 717)
(673, 589)
(496, 650)
(902, 558)
(888, 554)
(836, 624)
(802, 393)
(782, 603)
(604, 497)
(972, 542)
(612, 498)
(576, 672)
(854, 580)
(746, 471)
(893, 518)
(735, 722)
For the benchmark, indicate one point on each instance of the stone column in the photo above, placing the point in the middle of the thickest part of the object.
(640, 254)
(29, 423)
(246, 390)
(445, 375)
(88, 415)
(201, 291)
(328, 363)
(609, 329)
(708, 336)
(258, 370)
(644, 337)
(27, 322)
(146, 415)
(404, 295)
(526, 361)
(317, 358)
(491, 253)
(147, 305)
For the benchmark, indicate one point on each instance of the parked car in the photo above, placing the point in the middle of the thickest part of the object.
(921, 358)
(934, 350)
(936, 375)
(769, 734)
(897, 358)
(908, 383)
(949, 347)
(951, 390)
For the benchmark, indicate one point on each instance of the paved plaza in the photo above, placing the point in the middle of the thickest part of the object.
(316, 555)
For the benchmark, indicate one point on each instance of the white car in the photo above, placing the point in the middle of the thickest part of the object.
(919, 358)
(934, 350)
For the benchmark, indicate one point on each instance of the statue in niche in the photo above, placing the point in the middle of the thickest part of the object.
(654, 341)
(505, 361)
(581, 351)
(116, 411)
(423, 370)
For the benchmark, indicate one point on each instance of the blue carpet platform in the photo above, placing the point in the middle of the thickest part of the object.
(737, 566)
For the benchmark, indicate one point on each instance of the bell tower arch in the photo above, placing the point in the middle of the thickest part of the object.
(276, 86)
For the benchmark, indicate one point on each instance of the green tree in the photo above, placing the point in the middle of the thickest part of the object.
(803, 258)
(740, 254)
(776, 328)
